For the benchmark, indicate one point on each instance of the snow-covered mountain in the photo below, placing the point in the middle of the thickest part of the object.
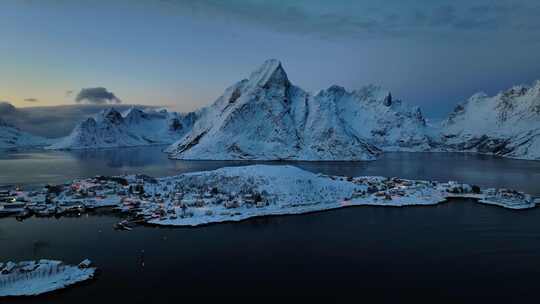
(55, 121)
(266, 117)
(135, 127)
(507, 124)
(11, 137)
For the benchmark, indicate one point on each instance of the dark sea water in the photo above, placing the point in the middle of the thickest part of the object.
(458, 250)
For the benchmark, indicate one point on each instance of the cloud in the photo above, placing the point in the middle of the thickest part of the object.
(31, 99)
(98, 95)
(52, 121)
(288, 17)
(384, 19)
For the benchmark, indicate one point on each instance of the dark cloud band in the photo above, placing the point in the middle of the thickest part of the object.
(98, 95)
(385, 20)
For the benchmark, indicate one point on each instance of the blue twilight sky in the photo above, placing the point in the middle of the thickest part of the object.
(184, 53)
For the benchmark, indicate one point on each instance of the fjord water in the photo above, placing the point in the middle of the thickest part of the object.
(453, 249)
(41, 167)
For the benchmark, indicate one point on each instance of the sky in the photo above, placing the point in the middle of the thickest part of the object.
(183, 54)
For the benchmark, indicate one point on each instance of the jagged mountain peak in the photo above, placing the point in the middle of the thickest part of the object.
(110, 115)
(336, 89)
(506, 124)
(387, 101)
(270, 73)
(136, 127)
(534, 91)
(135, 115)
(513, 92)
(87, 122)
(266, 117)
(419, 115)
(368, 93)
(372, 93)
(334, 92)
(518, 100)
(475, 97)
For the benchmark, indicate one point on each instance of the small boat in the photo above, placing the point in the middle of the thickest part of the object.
(123, 225)
(23, 215)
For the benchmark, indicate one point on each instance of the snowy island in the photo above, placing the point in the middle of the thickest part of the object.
(238, 193)
(32, 278)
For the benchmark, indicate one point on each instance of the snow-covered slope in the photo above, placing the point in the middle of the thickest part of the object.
(266, 117)
(135, 127)
(375, 115)
(55, 121)
(11, 137)
(32, 278)
(507, 124)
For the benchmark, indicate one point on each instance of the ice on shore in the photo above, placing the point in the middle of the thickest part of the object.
(31, 278)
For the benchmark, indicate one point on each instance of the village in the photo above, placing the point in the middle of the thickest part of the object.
(232, 194)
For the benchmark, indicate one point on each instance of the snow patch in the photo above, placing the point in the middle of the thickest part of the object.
(31, 278)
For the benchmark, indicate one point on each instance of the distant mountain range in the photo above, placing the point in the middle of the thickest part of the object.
(507, 124)
(111, 129)
(267, 117)
(54, 121)
(12, 137)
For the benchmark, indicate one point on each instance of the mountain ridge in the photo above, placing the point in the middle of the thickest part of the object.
(267, 117)
(136, 127)
(506, 124)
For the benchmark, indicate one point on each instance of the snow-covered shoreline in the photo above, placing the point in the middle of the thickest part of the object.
(238, 193)
(32, 278)
(366, 191)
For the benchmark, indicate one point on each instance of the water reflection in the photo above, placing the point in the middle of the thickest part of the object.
(38, 247)
(40, 167)
(122, 158)
(458, 248)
